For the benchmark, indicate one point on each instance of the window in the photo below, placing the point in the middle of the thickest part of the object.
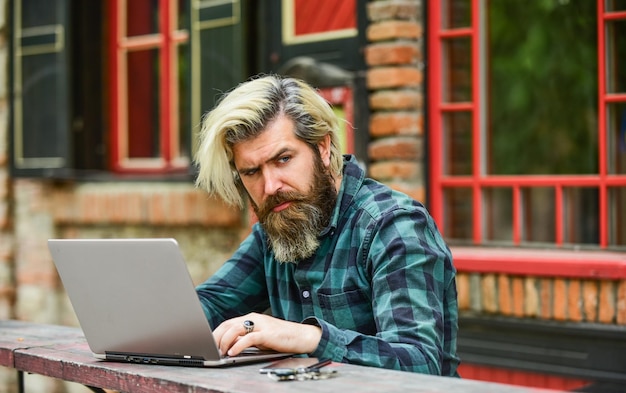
(113, 88)
(149, 68)
(528, 122)
(107, 88)
(321, 42)
(39, 86)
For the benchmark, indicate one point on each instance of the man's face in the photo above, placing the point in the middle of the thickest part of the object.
(289, 186)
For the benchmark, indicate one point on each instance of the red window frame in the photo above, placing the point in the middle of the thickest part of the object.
(600, 263)
(341, 98)
(166, 41)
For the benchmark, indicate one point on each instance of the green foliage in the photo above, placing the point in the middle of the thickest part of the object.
(543, 86)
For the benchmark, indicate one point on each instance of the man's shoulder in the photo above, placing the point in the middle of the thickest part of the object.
(379, 199)
(364, 194)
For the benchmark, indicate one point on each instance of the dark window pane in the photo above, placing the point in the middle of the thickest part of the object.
(142, 17)
(615, 5)
(457, 78)
(616, 56)
(456, 13)
(458, 213)
(499, 214)
(184, 110)
(581, 215)
(542, 81)
(39, 13)
(183, 15)
(617, 216)
(457, 131)
(538, 218)
(42, 120)
(616, 132)
(143, 104)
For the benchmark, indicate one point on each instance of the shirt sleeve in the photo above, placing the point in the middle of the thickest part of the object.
(412, 284)
(238, 287)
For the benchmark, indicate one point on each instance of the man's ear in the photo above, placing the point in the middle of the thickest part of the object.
(324, 148)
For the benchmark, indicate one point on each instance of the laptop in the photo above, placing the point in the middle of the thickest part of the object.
(135, 302)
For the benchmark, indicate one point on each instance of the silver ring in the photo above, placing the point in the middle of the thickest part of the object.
(248, 325)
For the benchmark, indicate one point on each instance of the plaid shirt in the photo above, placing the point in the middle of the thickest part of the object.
(381, 285)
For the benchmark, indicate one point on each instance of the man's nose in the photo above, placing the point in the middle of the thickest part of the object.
(272, 182)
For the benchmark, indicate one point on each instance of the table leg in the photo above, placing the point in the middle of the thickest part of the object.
(20, 381)
(20, 384)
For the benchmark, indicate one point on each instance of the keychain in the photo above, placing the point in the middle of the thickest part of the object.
(312, 372)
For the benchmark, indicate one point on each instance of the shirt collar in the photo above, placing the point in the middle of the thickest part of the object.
(351, 182)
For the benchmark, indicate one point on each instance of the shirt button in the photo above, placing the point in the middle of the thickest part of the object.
(306, 294)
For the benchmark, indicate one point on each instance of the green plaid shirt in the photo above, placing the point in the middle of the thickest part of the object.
(381, 285)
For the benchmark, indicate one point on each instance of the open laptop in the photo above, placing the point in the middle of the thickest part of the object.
(135, 302)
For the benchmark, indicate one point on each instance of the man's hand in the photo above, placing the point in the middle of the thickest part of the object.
(268, 333)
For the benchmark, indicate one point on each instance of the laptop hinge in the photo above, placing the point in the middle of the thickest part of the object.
(187, 361)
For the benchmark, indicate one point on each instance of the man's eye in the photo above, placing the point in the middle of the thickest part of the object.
(249, 173)
(284, 159)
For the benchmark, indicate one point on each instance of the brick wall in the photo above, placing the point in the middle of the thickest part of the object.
(394, 78)
(207, 229)
(559, 299)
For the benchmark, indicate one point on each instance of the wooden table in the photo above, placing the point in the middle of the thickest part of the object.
(62, 352)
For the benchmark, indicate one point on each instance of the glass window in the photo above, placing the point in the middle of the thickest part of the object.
(499, 214)
(458, 143)
(456, 14)
(617, 215)
(527, 122)
(150, 64)
(458, 217)
(458, 70)
(143, 104)
(542, 87)
(538, 215)
(142, 17)
(184, 107)
(615, 5)
(616, 133)
(580, 218)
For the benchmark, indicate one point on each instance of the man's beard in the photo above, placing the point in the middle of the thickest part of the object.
(293, 232)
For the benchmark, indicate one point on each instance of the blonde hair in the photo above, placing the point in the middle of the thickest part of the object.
(243, 114)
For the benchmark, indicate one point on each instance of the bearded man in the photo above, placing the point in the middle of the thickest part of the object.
(348, 268)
